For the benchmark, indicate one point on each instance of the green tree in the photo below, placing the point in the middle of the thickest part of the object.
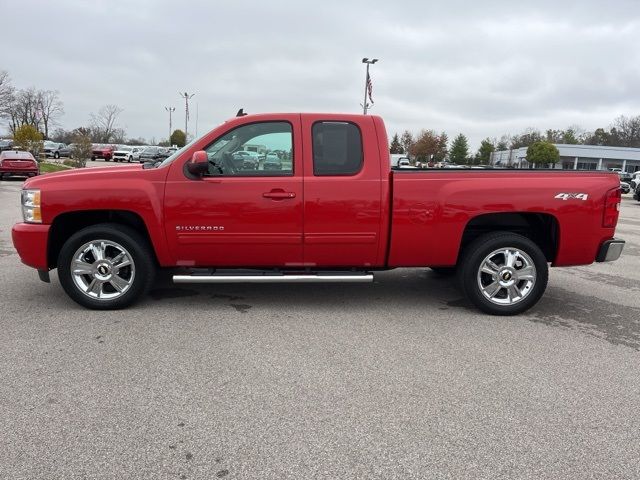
(396, 146)
(407, 141)
(484, 152)
(459, 152)
(179, 139)
(441, 152)
(542, 153)
(27, 137)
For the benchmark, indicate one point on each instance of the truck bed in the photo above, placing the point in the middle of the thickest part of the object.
(432, 210)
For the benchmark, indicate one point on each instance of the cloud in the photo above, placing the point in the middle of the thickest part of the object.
(482, 68)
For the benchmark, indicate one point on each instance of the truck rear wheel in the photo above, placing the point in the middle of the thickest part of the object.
(106, 266)
(503, 273)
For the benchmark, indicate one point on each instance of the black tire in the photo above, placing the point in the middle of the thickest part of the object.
(130, 158)
(93, 158)
(473, 257)
(138, 249)
(56, 155)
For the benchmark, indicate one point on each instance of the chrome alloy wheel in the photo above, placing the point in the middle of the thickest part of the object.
(506, 276)
(102, 269)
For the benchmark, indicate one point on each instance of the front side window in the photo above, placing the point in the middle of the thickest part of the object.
(337, 148)
(256, 149)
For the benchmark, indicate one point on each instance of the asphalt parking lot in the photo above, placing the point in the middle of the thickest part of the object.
(399, 379)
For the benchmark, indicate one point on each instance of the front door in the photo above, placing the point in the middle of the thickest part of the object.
(247, 211)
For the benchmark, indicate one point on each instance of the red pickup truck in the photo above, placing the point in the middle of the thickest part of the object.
(334, 212)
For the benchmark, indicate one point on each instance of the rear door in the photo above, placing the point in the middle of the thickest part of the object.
(342, 191)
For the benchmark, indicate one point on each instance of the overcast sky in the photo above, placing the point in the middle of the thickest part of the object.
(482, 68)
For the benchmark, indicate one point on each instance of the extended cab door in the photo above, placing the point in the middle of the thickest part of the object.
(247, 211)
(343, 191)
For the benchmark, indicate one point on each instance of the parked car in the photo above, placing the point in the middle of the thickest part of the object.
(635, 180)
(636, 193)
(102, 151)
(136, 153)
(272, 162)
(6, 145)
(397, 158)
(339, 216)
(152, 154)
(625, 176)
(625, 187)
(18, 163)
(124, 153)
(246, 160)
(56, 150)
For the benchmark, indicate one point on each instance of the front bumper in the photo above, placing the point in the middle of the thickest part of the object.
(31, 240)
(610, 250)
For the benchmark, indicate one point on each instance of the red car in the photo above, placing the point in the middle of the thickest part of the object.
(102, 151)
(18, 163)
(334, 212)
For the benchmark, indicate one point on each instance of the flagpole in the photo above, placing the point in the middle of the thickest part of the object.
(366, 81)
(186, 97)
(365, 105)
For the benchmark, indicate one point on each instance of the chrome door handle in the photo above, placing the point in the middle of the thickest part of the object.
(279, 195)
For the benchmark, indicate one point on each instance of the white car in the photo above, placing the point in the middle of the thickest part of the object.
(635, 180)
(124, 153)
(127, 153)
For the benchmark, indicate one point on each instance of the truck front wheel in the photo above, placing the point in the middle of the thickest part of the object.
(106, 266)
(503, 273)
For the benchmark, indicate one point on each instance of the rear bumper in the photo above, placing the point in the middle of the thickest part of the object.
(31, 242)
(610, 250)
(19, 171)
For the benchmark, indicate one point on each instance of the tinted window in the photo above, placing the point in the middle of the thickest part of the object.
(242, 151)
(337, 148)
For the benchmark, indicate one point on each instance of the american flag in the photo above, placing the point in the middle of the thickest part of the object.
(369, 87)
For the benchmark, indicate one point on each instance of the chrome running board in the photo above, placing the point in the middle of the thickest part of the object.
(277, 278)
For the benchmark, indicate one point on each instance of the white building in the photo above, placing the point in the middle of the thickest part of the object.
(576, 157)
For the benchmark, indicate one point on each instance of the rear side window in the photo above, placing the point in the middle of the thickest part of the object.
(337, 148)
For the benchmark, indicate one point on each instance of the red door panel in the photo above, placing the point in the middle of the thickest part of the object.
(237, 221)
(342, 213)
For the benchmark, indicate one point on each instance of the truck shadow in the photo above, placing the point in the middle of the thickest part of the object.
(399, 289)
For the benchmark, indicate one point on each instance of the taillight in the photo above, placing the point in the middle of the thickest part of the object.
(611, 208)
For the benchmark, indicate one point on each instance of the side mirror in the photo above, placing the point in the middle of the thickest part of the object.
(199, 163)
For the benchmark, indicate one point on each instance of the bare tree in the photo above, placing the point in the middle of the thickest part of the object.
(103, 124)
(6, 93)
(626, 131)
(25, 110)
(50, 109)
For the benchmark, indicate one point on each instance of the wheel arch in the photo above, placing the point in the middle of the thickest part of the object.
(542, 228)
(66, 224)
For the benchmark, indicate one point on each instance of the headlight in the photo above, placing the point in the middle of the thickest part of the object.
(31, 212)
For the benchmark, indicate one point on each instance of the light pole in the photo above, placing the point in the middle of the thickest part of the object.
(170, 110)
(186, 97)
(367, 84)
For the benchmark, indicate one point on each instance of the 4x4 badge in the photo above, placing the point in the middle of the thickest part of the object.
(567, 196)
